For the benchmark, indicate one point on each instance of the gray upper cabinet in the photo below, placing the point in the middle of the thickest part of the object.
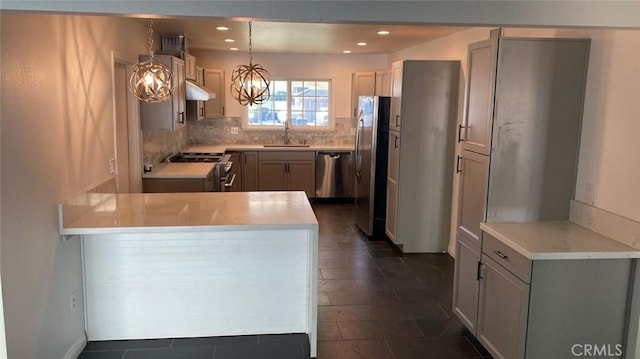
(476, 133)
(170, 114)
(214, 80)
(362, 84)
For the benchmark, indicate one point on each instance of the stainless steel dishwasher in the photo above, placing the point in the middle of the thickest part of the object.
(334, 174)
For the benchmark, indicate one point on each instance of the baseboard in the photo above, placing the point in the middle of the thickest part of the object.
(76, 348)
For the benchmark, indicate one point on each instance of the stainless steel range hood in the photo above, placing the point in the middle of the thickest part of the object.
(197, 92)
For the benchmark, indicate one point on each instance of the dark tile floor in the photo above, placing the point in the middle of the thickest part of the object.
(373, 302)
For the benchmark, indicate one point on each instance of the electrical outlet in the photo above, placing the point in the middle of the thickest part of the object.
(112, 166)
(74, 302)
(234, 130)
(590, 193)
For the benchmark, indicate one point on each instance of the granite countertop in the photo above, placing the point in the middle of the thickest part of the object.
(247, 147)
(558, 240)
(192, 212)
(180, 170)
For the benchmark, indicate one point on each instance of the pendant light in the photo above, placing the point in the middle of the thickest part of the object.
(151, 81)
(250, 83)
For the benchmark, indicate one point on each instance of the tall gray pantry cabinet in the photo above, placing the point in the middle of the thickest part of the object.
(422, 121)
(520, 140)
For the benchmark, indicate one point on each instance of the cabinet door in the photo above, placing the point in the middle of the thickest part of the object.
(472, 194)
(396, 96)
(170, 114)
(180, 93)
(190, 65)
(480, 96)
(392, 211)
(272, 176)
(394, 157)
(362, 84)
(502, 313)
(214, 80)
(466, 283)
(250, 171)
(200, 104)
(236, 169)
(301, 176)
(383, 83)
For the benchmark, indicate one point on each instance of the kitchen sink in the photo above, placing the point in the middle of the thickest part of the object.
(285, 145)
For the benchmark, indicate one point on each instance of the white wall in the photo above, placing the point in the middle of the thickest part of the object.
(338, 68)
(57, 139)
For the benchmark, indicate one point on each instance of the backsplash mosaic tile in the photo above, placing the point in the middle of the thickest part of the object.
(158, 145)
(218, 131)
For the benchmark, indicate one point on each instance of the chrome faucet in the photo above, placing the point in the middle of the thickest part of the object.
(286, 132)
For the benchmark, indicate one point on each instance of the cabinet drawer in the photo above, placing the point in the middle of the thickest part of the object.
(287, 155)
(507, 257)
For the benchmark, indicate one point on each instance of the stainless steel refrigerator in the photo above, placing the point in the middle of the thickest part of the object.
(372, 143)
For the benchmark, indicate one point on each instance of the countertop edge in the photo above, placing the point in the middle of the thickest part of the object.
(185, 229)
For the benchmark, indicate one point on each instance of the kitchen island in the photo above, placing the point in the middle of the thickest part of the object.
(167, 265)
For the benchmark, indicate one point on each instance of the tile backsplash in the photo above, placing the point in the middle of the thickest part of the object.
(218, 131)
(158, 145)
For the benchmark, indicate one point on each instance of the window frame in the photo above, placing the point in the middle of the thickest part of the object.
(330, 121)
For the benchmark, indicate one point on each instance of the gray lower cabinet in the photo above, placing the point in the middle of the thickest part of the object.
(465, 292)
(236, 169)
(287, 171)
(502, 315)
(245, 167)
(249, 164)
(169, 185)
(542, 308)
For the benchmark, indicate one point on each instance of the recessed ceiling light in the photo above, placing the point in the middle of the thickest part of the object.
(229, 40)
(233, 48)
(222, 28)
(383, 32)
(346, 51)
(362, 44)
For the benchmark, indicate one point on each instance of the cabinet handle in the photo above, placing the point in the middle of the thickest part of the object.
(479, 272)
(181, 118)
(202, 111)
(397, 120)
(222, 110)
(395, 141)
(460, 127)
(458, 170)
(501, 255)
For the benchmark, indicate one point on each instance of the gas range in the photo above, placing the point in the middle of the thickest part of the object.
(199, 157)
(222, 176)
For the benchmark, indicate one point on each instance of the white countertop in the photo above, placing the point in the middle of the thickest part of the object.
(244, 147)
(192, 212)
(180, 170)
(557, 240)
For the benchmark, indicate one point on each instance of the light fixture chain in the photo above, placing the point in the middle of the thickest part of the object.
(250, 47)
(151, 38)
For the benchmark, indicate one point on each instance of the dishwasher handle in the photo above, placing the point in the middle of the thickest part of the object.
(333, 154)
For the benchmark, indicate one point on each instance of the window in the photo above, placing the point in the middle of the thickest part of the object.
(304, 103)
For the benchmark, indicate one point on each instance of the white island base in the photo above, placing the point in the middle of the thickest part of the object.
(226, 264)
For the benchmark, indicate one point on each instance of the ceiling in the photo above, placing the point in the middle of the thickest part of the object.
(287, 37)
